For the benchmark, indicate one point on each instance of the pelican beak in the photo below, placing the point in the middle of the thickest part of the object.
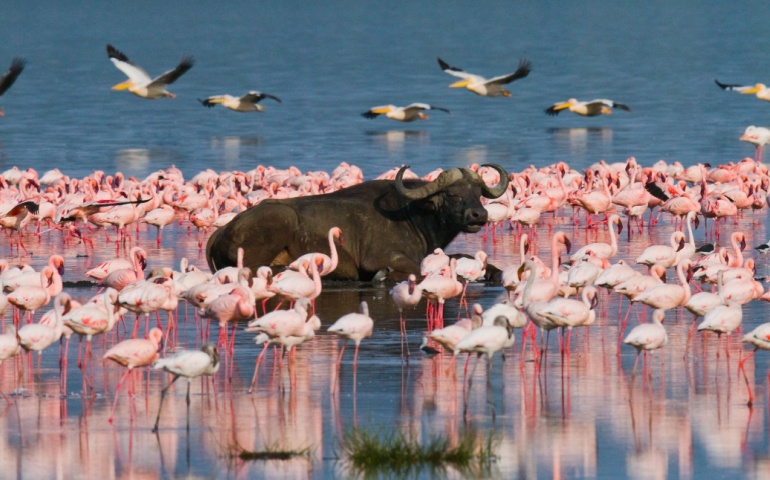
(124, 85)
(561, 106)
(753, 89)
(459, 84)
(380, 110)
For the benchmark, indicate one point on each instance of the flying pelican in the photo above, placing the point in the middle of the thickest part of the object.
(761, 91)
(247, 103)
(600, 106)
(139, 82)
(17, 65)
(402, 114)
(480, 85)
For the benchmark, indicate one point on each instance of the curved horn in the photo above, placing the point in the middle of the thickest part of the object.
(445, 179)
(500, 188)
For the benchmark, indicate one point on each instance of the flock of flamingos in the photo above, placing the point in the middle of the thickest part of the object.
(562, 293)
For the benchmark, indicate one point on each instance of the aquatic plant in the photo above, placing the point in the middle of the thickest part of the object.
(373, 454)
(271, 452)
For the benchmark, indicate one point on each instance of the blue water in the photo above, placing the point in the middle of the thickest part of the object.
(330, 61)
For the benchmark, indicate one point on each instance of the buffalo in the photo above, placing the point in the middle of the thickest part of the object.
(388, 225)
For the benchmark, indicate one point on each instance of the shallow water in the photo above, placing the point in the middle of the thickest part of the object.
(584, 417)
(329, 62)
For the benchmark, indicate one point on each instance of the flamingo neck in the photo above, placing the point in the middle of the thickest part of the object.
(333, 249)
(685, 284)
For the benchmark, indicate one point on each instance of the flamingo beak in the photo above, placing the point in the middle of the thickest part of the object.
(663, 277)
(697, 222)
(689, 274)
(520, 272)
(526, 248)
(681, 245)
(594, 302)
(60, 268)
(620, 226)
(567, 244)
(743, 243)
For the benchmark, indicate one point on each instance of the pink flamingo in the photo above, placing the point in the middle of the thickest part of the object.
(136, 256)
(647, 336)
(32, 297)
(601, 250)
(56, 262)
(92, 319)
(353, 326)
(293, 285)
(547, 289)
(37, 337)
(665, 296)
(160, 217)
(329, 263)
(405, 295)
(438, 288)
(18, 217)
(133, 353)
(118, 279)
(236, 306)
(434, 262)
(664, 255)
(260, 284)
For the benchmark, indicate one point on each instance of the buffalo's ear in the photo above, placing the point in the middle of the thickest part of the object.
(430, 204)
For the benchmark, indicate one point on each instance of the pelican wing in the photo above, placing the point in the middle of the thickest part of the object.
(423, 106)
(525, 66)
(733, 87)
(17, 65)
(256, 97)
(457, 72)
(172, 76)
(134, 72)
(609, 104)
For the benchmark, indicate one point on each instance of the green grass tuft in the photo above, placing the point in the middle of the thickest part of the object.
(394, 452)
(271, 452)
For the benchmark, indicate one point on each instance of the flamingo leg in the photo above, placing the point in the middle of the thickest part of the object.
(117, 390)
(163, 397)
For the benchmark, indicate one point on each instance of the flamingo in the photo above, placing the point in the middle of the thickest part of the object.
(449, 336)
(260, 284)
(664, 255)
(604, 251)
(486, 340)
(760, 339)
(757, 136)
(533, 307)
(136, 256)
(160, 217)
(293, 285)
(723, 319)
(568, 313)
(615, 274)
(353, 326)
(32, 297)
(434, 262)
(56, 262)
(92, 319)
(37, 337)
(118, 279)
(648, 336)
(666, 297)
(547, 289)
(329, 263)
(438, 288)
(133, 353)
(471, 270)
(405, 295)
(238, 305)
(189, 364)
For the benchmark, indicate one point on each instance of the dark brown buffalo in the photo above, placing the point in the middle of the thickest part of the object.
(388, 226)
